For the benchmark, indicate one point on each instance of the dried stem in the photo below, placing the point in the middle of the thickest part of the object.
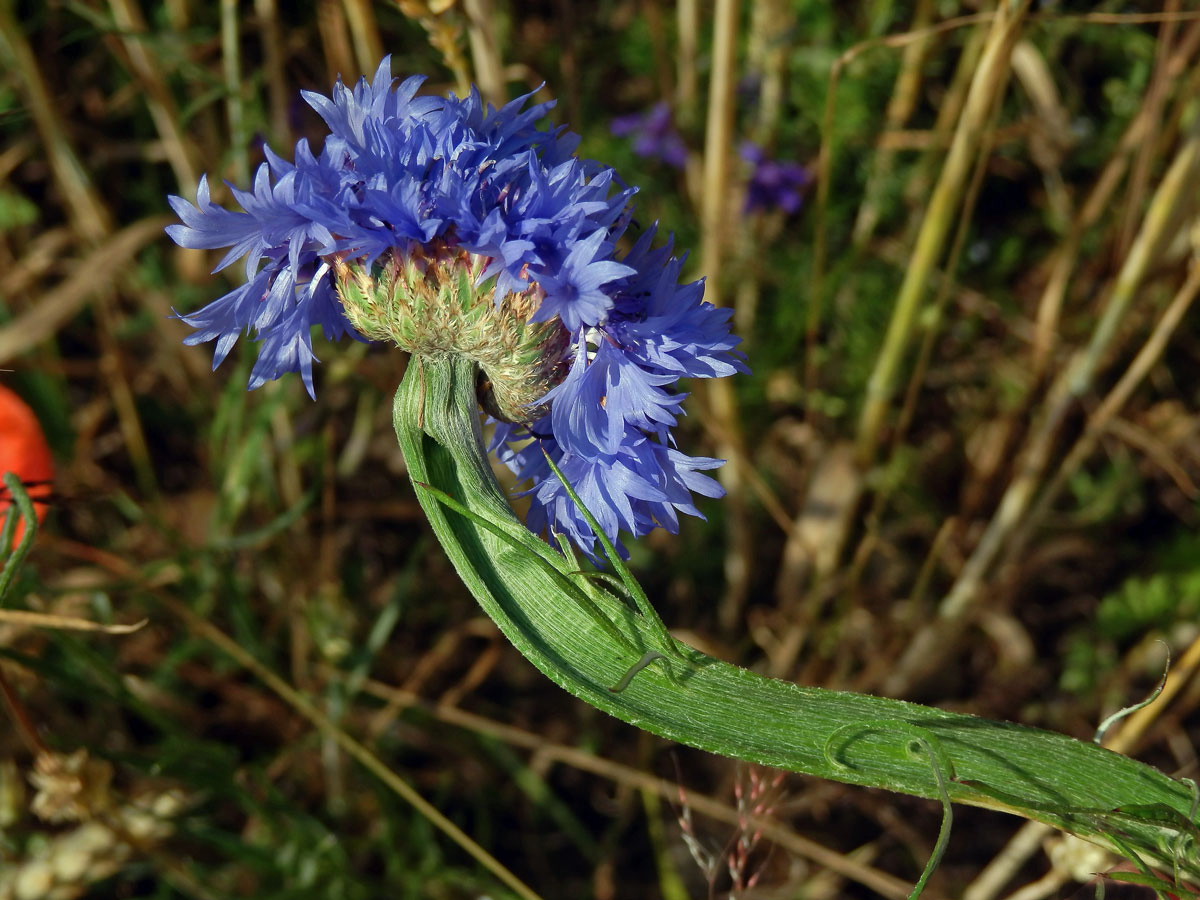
(305, 707)
(364, 32)
(131, 24)
(235, 103)
(989, 81)
(899, 109)
(89, 216)
(21, 719)
(1098, 422)
(1098, 202)
(548, 752)
(1153, 101)
(716, 218)
(485, 49)
(816, 298)
(926, 651)
(278, 95)
(687, 18)
(925, 353)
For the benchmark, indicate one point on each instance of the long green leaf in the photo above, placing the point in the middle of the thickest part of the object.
(872, 741)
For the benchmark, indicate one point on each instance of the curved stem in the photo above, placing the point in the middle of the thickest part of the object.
(1072, 785)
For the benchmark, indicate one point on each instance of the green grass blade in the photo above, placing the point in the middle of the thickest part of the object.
(25, 511)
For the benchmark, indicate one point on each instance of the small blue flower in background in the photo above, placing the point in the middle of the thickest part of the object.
(435, 183)
(773, 184)
(654, 135)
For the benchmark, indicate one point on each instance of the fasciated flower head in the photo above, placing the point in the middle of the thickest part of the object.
(447, 227)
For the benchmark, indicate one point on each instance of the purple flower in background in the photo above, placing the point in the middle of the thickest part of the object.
(446, 226)
(773, 184)
(654, 135)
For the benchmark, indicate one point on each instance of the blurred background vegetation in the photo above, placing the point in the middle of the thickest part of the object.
(959, 238)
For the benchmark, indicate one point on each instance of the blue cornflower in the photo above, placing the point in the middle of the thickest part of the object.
(654, 135)
(773, 184)
(446, 226)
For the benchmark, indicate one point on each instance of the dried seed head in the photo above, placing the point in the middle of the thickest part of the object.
(70, 787)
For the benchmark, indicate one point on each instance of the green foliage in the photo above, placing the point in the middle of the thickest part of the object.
(16, 210)
(1167, 596)
(1156, 602)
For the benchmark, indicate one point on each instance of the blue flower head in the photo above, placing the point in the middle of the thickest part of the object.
(654, 135)
(447, 226)
(773, 184)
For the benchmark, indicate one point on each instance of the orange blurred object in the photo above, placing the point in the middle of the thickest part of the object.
(24, 452)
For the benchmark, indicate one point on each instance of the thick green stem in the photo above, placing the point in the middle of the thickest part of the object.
(871, 741)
